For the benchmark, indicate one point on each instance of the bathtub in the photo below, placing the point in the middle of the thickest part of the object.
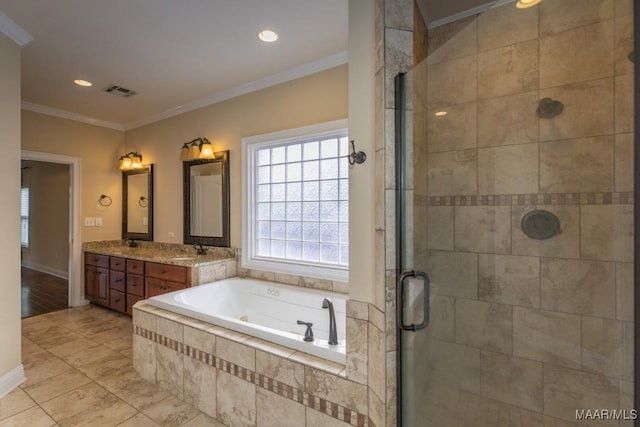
(265, 310)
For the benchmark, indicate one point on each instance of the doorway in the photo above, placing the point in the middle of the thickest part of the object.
(44, 237)
(514, 157)
(73, 248)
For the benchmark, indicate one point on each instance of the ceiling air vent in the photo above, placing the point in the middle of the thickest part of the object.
(119, 91)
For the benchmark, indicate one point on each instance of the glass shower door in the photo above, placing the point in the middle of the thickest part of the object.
(514, 178)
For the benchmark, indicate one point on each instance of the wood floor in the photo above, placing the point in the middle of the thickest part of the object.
(42, 293)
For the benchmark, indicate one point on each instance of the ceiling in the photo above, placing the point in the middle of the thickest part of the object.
(177, 55)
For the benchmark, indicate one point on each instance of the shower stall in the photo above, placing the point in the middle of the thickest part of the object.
(514, 154)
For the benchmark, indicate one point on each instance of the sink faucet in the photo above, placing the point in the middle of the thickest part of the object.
(200, 250)
(132, 243)
(333, 333)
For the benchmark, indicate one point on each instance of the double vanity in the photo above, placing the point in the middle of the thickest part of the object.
(117, 276)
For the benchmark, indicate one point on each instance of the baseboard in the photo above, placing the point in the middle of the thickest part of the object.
(44, 269)
(11, 380)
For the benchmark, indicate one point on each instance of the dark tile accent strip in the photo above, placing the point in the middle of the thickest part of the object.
(613, 198)
(327, 407)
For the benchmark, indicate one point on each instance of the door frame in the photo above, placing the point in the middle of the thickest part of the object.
(76, 290)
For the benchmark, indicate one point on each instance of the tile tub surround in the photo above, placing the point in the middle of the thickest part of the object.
(217, 264)
(79, 369)
(242, 380)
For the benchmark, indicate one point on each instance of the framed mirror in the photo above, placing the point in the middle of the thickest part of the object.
(206, 201)
(137, 204)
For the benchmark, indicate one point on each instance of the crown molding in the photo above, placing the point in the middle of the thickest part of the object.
(464, 14)
(43, 109)
(275, 79)
(14, 31)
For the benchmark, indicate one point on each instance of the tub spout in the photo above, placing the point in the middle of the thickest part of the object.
(333, 332)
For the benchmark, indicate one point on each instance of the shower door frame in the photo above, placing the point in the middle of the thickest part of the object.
(636, 211)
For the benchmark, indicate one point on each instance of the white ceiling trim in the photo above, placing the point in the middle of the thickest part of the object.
(464, 14)
(14, 31)
(43, 109)
(275, 79)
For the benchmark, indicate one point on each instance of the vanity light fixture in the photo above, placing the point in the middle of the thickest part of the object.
(199, 148)
(206, 149)
(523, 4)
(441, 113)
(83, 83)
(268, 36)
(184, 152)
(132, 160)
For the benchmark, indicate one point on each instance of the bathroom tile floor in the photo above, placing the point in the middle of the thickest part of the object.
(78, 364)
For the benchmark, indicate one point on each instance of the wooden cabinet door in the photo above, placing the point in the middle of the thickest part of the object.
(102, 283)
(90, 283)
(117, 300)
(96, 280)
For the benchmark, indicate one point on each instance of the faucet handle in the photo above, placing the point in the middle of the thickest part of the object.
(308, 335)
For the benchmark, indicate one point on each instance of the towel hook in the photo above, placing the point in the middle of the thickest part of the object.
(356, 157)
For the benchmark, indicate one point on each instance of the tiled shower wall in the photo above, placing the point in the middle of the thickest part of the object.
(541, 326)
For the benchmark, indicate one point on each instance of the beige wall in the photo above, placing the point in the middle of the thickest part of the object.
(99, 149)
(317, 98)
(10, 212)
(48, 185)
(361, 129)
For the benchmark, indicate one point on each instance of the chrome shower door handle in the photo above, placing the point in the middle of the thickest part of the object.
(402, 279)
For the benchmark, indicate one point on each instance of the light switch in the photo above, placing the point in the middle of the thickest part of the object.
(145, 220)
(98, 221)
(89, 222)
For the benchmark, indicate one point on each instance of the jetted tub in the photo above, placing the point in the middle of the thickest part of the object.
(265, 310)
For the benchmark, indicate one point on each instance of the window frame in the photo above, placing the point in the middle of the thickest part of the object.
(249, 203)
(27, 218)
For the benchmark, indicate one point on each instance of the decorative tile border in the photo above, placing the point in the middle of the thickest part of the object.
(309, 400)
(620, 198)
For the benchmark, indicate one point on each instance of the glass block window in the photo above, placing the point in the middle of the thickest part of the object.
(299, 191)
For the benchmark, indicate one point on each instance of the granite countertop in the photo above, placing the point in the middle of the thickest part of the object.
(165, 253)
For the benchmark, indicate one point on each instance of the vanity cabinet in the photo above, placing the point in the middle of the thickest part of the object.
(118, 283)
(135, 283)
(162, 278)
(96, 276)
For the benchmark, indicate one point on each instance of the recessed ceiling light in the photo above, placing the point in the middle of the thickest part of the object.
(268, 36)
(441, 113)
(523, 4)
(83, 83)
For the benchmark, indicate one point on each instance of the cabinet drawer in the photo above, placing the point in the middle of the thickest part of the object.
(157, 286)
(134, 266)
(97, 260)
(116, 263)
(116, 280)
(117, 301)
(131, 300)
(174, 273)
(135, 285)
